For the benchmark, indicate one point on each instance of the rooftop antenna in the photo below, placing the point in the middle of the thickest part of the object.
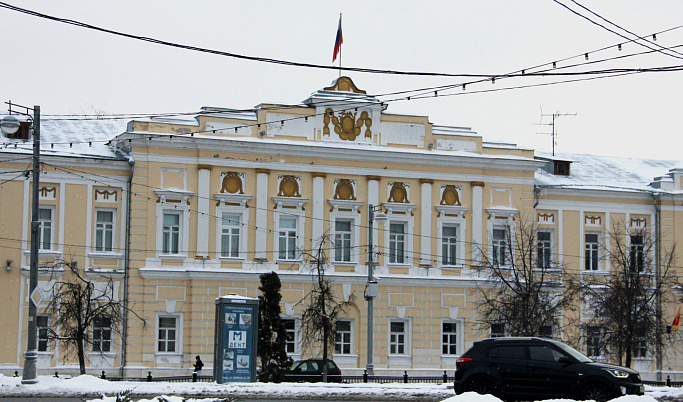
(553, 133)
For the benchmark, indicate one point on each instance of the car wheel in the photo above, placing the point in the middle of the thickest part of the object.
(595, 392)
(481, 387)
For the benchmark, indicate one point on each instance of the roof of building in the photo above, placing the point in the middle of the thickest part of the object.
(605, 172)
(72, 137)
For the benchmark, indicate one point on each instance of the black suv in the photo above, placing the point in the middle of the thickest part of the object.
(537, 368)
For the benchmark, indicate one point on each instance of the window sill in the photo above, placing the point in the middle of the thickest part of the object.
(231, 258)
(172, 256)
(45, 253)
(105, 254)
(168, 353)
(103, 354)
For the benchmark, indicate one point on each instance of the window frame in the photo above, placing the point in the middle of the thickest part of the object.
(178, 334)
(296, 339)
(497, 334)
(637, 252)
(351, 237)
(459, 333)
(497, 245)
(395, 344)
(594, 255)
(168, 235)
(544, 249)
(238, 208)
(52, 228)
(349, 343)
(98, 340)
(290, 238)
(43, 340)
(112, 231)
(392, 250)
(591, 346)
(234, 236)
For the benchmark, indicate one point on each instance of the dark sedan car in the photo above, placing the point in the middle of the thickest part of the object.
(538, 368)
(311, 370)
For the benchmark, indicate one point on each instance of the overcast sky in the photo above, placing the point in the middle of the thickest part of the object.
(68, 69)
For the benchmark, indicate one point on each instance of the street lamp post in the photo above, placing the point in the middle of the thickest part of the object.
(372, 287)
(11, 126)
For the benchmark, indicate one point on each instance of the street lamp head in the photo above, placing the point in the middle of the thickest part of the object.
(380, 216)
(9, 124)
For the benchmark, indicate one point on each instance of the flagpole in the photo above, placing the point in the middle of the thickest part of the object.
(340, 49)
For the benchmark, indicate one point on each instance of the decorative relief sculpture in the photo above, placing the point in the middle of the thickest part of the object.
(48, 193)
(343, 190)
(639, 223)
(106, 196)
(232, 183)
(449, 195)
(398, 192)
(346, 125)
(593, 220)
(289, 186)
(546, 218)
(344, 84)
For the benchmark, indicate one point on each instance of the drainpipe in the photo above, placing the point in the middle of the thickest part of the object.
(537, 192)
(656, 200)
(126, 267)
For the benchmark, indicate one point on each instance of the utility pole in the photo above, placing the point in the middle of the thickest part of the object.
(553, 132)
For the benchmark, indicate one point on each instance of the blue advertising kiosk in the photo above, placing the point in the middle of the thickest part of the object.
(236, 338)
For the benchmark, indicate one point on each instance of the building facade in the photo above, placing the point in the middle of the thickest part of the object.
(181, 210)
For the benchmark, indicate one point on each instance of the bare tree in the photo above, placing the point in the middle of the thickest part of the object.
(86, 313)
(625, 319)
(322, 306)
(526, 291)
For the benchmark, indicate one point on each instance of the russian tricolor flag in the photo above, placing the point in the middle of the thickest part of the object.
(338, 42)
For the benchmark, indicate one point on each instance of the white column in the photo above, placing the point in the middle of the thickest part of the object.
(477, 220)
(203, 212)
(317, 223)
(426, 219)
(261, 245)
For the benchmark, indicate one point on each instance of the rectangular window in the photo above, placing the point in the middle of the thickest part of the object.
(397, 338)
(397, 243)
(101, 334)
(342, 241)
(104, 231)
(45, 230)
(449, 245)
(544, 248)
(546, 331)
(171, 233)
(591, 247)
(287, 238)
(500, 246)
(342, 337)
(290, 338)
(230, 235)
(168, 333)
(497, 329)
(42, 325)
(594, 339)
(636, 255)
(640, 344)
(449, 338)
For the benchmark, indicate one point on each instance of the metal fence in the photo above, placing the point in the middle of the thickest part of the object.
(348, 379)
(667, 383)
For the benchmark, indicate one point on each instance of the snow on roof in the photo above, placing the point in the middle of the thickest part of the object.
(68, 136)
(605, 172)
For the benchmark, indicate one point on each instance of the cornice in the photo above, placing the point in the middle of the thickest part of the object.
(379, 154)
(370, 173)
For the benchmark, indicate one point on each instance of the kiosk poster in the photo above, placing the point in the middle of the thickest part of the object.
(237, 343)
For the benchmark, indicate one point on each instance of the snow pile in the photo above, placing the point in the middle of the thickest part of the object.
(99, 390)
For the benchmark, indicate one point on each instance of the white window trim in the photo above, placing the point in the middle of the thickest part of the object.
(502, 218)
(114, 233)
(234, 204)
(297, 336)
(179, 334)
(346, 210)
(451, 216)
(408, 337)
(112, 343)
(399, 213)
(173, 201)
(53, 229)
(553, 261)
(289, 206)
(601, 266)
(352, 346)
(49, 323)
(459, 333)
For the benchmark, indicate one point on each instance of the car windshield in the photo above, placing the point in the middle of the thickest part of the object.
(573, 353)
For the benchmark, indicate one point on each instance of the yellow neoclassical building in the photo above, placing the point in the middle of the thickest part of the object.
(179, 210)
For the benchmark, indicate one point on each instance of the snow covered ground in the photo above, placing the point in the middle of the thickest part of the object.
(97, 390)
